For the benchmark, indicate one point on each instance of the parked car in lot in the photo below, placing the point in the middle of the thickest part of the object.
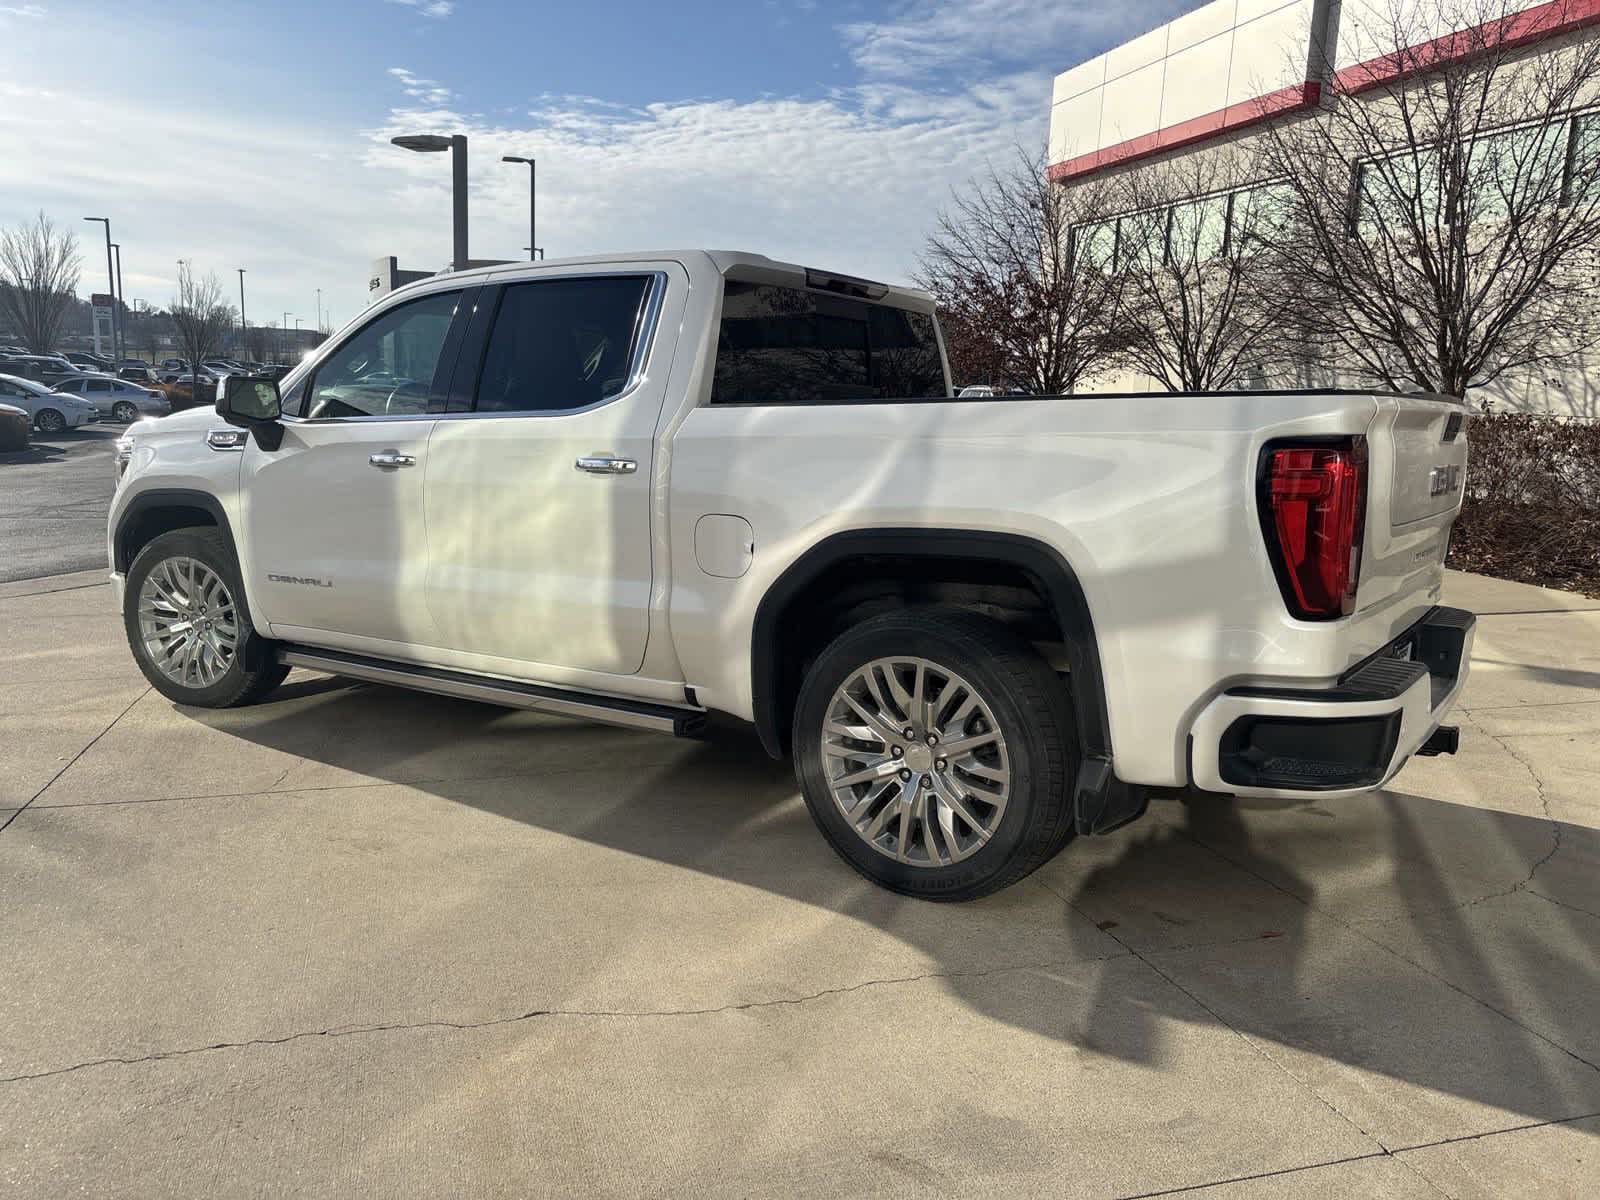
(87, 361)
(48, 369)
(117, 399)
(15, 427)
(173, 365)
(137, 373)
(50, 412)
(186, 391)
(642, 488)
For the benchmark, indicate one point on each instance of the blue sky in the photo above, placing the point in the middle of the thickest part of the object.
(257, 135)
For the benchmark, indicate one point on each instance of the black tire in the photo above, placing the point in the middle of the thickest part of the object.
(254, 670)
(1031, 708)
(50, 421)
(125, 411)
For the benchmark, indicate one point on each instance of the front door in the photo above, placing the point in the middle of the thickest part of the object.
(538, 500)
(337, 546)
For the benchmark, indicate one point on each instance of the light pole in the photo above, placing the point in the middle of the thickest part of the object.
(244, 329)
(431, 143)
(319, 310)
(119, 339)
(111, 279)
(533, 190)
(534, 252)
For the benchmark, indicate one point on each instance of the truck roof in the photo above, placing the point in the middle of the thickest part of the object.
(731, 264)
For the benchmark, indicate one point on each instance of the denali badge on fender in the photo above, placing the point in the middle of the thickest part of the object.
(1443, 479)
(307, 580)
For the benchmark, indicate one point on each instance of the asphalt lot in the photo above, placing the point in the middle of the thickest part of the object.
(355, 941)
(53, 502)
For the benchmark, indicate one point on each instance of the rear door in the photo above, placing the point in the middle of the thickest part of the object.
(334, 532)
(538, 495)
(1416, 479)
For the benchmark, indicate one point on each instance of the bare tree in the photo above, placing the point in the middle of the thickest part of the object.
(1443, 211)
(200, 315)
(1194, 312)
(1017, 305)
(38, 281)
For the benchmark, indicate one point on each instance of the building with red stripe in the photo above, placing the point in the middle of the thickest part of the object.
(1214, 75)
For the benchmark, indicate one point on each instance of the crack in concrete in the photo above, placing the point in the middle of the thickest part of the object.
(577, 1013)
(6, 824)
(1398, 1154)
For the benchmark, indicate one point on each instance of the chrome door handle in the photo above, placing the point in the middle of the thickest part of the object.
(391, 458)
(607, 466)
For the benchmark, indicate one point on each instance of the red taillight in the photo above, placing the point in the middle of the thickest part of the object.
(1314, 508)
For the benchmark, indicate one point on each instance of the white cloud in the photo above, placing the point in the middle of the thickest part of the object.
(22, 10)
(429, 91)
(927, 37)
(438, 9)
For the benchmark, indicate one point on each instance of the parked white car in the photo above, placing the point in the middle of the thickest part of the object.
(117, 399)
(640, 488)
(51, 412)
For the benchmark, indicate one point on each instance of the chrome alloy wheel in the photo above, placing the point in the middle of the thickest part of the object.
(915, 761)
(187, 622)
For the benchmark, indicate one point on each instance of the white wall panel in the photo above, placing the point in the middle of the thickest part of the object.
(1270, 52)
(1196, 81)
(1079, 80)
(1207, 21)
(1141, 52)
(1075, 126)
(1132, 105)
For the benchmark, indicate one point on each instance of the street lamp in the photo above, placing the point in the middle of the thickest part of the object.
(119, 347)
(534, 252)
(533, 237)
(111, 279)
(432, 143)
(244, 330)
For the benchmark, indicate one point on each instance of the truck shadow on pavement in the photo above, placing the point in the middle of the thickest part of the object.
(1447, 947)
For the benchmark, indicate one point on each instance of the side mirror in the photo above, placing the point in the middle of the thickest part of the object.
(252, 402)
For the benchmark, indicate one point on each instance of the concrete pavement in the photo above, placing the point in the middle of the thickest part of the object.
(54, 498)
(358, 941)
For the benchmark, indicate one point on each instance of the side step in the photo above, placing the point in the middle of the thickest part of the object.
(613, 710)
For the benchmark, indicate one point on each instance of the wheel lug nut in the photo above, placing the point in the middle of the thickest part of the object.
(910, 733)
(905, 776)
(933, 739)
(896, 751)
(940, 765)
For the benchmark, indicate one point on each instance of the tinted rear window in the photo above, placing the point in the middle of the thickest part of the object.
(782, 345)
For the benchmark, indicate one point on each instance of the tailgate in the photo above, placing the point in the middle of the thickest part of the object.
(1418, 466)
(1430, 459)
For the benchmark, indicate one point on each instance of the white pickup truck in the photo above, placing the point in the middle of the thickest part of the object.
(642, 488)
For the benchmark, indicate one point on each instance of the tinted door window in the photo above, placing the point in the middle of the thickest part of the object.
(782, 345)
(562, 344)
(97, 385)
(390, 366)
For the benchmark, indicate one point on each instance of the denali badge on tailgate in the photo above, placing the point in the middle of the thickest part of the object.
(1443, 479)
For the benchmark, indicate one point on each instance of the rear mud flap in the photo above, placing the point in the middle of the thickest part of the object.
(1101, 802)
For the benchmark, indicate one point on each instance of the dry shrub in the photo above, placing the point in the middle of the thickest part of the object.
(1532, 508)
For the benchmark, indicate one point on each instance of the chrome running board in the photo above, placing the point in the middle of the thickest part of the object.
(680, 721)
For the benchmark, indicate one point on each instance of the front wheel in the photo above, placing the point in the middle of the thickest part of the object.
(936, 751)
(50, 421)
(187, 625)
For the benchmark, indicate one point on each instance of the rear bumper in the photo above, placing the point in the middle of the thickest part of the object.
(1339, 739)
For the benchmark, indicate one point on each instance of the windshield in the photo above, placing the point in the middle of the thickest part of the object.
(27, 385)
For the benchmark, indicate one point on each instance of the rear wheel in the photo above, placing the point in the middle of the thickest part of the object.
(125, 411)
(50, 421)
(936, 751)
(186, 623)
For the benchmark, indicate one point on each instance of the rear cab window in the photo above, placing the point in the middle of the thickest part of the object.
(790, 345)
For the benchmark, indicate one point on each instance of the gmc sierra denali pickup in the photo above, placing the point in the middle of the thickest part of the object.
(641, 488)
